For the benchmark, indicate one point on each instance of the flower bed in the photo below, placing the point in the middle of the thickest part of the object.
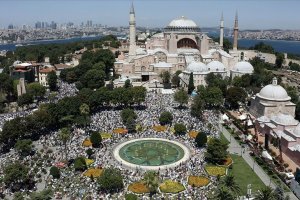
(170, 186)
(89, 161)
(120, 131)
(215, 170)
(193, 134)
(106, 135)
(138, 187)
(159, 128)
(87, 143)
(93, 172)
(227, 162)
(198, 181)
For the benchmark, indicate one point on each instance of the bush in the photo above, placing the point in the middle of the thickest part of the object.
(80, 164)
(89, 152)
(130, 196)
(55, 172)
(201, 139)
(165, 118)
(96, 139)
(180, 129)
(111, 180)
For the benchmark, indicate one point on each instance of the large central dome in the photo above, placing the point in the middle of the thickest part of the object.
(182, 24)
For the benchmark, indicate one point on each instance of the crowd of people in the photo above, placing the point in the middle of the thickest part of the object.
(75, 185)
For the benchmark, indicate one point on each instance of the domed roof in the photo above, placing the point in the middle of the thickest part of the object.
(182, 24)
(284, 119)
(243, 66)
(196, 67)
(216, 66)
(274, 92)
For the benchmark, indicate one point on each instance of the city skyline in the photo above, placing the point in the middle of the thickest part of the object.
(268, 15)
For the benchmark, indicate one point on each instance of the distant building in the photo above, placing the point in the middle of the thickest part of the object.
(43, 73)
(23, 70)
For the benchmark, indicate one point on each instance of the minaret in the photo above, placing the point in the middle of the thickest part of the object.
(132, 44)
(236, 32)
(221, 31)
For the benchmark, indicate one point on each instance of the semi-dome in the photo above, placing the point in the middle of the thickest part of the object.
(196, 67)
(182, 24)
(244, 67)
(216, 66)
(274, 92)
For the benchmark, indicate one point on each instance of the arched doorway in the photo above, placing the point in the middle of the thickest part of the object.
(186, 43)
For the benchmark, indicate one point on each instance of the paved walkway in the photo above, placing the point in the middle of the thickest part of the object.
(236, 148)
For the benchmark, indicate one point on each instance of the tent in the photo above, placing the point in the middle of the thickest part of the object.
(266, 155)
(243, 117)
(249, 123)
(225, 117)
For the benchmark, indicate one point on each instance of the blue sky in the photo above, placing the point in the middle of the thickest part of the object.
(253, 14)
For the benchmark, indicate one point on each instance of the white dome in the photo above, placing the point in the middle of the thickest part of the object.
(216, 66)
(284, 119)
(182, 22)
(274, 92)
(243, 66)
(196, 67)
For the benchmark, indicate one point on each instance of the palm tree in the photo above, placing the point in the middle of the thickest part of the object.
(84, 111)
(224, 194)
(231, 184)
(64, 136)
(151, 180)
(266, 193)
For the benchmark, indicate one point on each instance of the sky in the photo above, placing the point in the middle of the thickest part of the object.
(253, 14)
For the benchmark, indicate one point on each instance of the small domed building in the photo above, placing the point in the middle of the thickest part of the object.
(271, 100)
(242, 68)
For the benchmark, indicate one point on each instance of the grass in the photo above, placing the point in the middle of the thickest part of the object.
(223, 138)
(244, 175)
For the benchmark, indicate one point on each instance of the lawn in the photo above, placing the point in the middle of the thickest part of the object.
(244, 175)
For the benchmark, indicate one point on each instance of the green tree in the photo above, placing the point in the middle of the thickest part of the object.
(216, 151)
(25, 99)
(180, 129)
(197, 107)
(165, 118)
(213, 97)
(65, 136)
(235, 95)
(93, 79)
(89, 152)
(55, 172)
(52, 80)
(201, 139)
(224, 194)
(139, 94)
(181, 97)
(127, 113)
(151, 180)
(130, 196)
(165, 76)
(127, 84)
(265, 193)
(45, 194)
(96, 139)
(18, 196)
(36, 89)
(191, 85)
(24, 147)
(85, 111)
(111, 180)
(230, 182)
(80, 164)
(16, 176)
(6, 85)
(279, 60)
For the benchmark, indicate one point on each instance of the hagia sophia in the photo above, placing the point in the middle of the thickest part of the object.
(182, 46)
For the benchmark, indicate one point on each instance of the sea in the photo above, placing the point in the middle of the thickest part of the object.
(292, 47)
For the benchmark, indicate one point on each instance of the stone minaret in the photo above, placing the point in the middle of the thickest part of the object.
(132, 44)
(221, 31)
(236, 32)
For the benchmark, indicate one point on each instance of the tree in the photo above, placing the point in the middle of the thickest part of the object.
(96, 139)
(111, 180)
(24, 147)
(151, 180)
(181, 97)
(16, 176)
(224, 194)
(93, 79)
(127, 84)
(279, 59)
(55, 172)
(139, 94)
(65, 136)
(165, 76)
(180, 129)
(6, 85)
(216, 80)
(230, 182)
(201, 139)
(216, 151)
(130, 196)
(213, 97)
(36, 89)
(80, 164)
(45, 194)
(235, 95)
(25, 99)
(265, 193)
(18, 196)
(85, 111)
(127, 113)
(89, 152)
(52, 80)
(197, 107)
(165, 118)
(191, 85)
(175, 80)
(279, 193)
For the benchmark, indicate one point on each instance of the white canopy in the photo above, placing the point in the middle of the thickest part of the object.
(249, 123)
(249, 137)
(266, 155)
(225, 117)
(167, 91)
(243, 117)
